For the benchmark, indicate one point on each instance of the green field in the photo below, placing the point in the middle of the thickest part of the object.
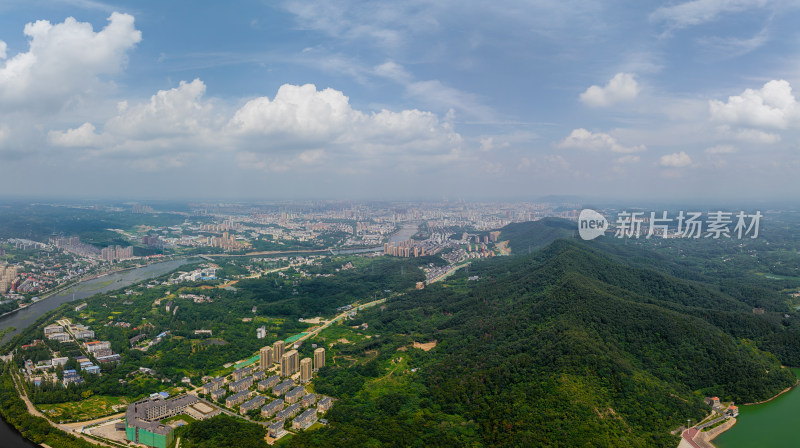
(88, 409)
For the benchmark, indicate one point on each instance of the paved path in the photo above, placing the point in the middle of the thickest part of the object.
(35, 412)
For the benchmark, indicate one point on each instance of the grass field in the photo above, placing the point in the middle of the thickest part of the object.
(88, 409)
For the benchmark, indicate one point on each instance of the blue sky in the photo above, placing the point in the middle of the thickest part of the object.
(400, 100)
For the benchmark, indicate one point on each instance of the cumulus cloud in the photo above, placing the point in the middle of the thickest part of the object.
(305, 116)
(177, 111)
(697, 12)
(82, 136)
(583, 139)
(675, 160)
(300, 127)
(621, 88)
(3, 48)
(772, 106)
(157, 134)
(65, 59)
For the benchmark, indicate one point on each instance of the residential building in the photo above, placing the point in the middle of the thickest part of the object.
(97, 345)
(308, 400)
(324, 404)
(290, 363)
(306, 419)
(305, 370)
(241, 373)
(253, 403)
(289, 412)
(319, 358)
(272, 408)
(235, 399)
(276, 429)
(295, 394)
(217, 394)
(266, 360)
(277, 351)
(268, 383)
(283, 387)
(243, 384)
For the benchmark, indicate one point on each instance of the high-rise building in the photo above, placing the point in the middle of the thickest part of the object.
(278, 348)
(290, 363)
(266, 360)
(319, 358)
(305, 370)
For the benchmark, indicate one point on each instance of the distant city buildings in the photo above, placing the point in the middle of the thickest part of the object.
(116, 253)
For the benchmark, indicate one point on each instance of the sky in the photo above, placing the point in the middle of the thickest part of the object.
(347, 99)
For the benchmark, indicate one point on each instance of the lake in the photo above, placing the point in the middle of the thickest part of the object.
(768, 425)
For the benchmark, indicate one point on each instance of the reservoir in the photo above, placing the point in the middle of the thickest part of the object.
(768, 425)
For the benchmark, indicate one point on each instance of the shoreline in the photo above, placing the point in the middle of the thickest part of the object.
(80, 280)
(706, 439)
(776, 396)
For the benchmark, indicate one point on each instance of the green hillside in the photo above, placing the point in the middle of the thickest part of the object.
(526, 237)
(567, 347)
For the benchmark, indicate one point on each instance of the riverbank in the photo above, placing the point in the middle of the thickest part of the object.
(77, 281)
(703, 439)
(776, 396)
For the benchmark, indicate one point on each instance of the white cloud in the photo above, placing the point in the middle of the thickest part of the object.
(675, 160)
(756, 136)
(178, 111)
(621, 88)
(64, 60)
(729, 47)
(773, 106)
(583, 139)
(83, 136)
(628, 159)
(299, 110)
(721, 149)
(696, 12)
(158, 133)
(300, 127)
(3, 48)
(393, 71)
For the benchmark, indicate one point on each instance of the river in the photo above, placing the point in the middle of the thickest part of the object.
(9, 436)
(26, 316)
(769, 425)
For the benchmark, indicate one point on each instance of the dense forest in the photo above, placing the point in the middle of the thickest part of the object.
(578, 344)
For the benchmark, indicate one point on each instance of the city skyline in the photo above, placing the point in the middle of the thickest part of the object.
(678, 101)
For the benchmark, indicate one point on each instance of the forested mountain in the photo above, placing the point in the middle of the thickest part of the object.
(525, 237)
(570, 346)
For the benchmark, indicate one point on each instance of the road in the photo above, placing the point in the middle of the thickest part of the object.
(35, 412)
(339, 317)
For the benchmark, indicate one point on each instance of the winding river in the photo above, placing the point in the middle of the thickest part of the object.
(9, 436)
